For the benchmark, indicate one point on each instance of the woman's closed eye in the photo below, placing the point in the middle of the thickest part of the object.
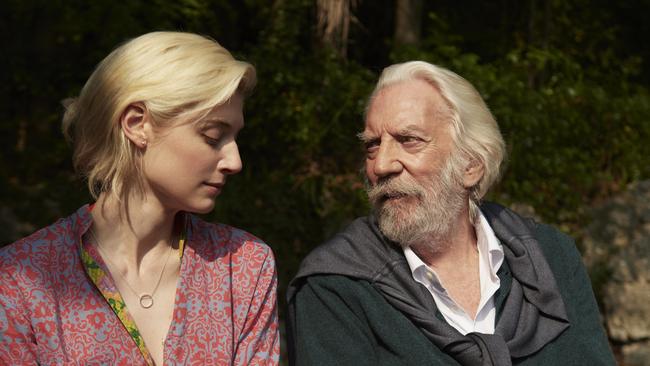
(212, 139)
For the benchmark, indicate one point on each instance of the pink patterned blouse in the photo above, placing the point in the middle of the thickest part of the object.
(52, 313)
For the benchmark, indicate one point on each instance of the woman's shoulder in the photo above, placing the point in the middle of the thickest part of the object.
(44, 252)
(207, 236)
(47, 238)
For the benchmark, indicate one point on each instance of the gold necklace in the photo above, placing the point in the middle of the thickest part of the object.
(146, 299)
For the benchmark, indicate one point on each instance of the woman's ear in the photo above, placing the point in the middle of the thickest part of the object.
(133, 122)
(473, 173)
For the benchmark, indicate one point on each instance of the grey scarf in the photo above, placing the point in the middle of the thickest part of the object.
(533, 313)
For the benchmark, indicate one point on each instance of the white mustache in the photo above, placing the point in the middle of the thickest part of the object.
(393, 188)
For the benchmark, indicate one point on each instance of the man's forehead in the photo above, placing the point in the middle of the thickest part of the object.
(409, 89)
(411, 105)
(368, 132)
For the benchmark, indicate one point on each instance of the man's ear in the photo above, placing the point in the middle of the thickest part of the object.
(473, 173)
(133, 121)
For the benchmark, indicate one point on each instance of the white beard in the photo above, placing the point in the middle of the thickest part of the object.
(409, 213)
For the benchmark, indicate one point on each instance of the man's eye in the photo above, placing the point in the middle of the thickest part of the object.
(371, 146)
(409, 140)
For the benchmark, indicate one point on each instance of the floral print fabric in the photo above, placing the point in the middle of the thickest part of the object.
(52, 313)
(99, 277)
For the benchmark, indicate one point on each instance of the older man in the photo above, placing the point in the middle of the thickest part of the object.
(432, 277)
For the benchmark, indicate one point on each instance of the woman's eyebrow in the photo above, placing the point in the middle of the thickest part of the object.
(214, 123)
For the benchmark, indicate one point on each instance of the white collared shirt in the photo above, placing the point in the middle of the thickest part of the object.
(490, 255)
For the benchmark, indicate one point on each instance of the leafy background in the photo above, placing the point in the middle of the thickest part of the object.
(567, 81)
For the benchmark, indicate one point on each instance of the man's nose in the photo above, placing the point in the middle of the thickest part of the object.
(387, 161)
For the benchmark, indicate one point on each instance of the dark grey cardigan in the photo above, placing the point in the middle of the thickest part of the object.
(534, 314)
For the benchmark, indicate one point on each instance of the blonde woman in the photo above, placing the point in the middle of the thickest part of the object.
(136, 278)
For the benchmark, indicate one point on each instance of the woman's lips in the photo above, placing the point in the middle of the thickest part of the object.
(214, 188)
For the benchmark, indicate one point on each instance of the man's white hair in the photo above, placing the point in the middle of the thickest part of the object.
(475, 132)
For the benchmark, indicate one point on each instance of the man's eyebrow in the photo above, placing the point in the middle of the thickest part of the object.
(410, 129)
(407, 130)
(365, 137)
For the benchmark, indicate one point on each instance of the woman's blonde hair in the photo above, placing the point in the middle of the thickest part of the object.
(173, 74)
(475, 132)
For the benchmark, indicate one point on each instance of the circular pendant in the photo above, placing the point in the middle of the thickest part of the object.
(146, 301)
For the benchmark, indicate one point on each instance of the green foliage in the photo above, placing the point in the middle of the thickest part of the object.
(564, 80)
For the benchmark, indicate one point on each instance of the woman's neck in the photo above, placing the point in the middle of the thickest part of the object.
(136, 230)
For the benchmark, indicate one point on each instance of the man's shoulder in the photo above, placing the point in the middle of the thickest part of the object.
(357, 251)
(339, 291)
(357, 234)
(553, 236)
(559, 248)
(552, 240)
(337, 283)
(346, 287)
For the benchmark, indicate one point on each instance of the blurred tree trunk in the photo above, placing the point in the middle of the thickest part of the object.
(408, 22)
(334, 17)
(540, 27)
